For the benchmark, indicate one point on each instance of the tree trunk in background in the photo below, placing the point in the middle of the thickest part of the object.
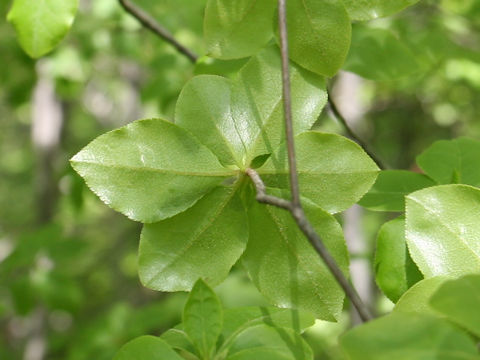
(346, 95)
(47, 124)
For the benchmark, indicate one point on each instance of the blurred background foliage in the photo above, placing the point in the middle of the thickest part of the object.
(68, 282)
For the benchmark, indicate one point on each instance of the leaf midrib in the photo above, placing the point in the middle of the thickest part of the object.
(161, 171)
(195, 237)
(296, 255)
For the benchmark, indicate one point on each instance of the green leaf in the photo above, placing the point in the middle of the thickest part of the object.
(416, 299)
(204, 108)
(459, 301)
(238, 319)
(237, 28)
(401, 336)
(146, 347)
(257, 105)
(179, 340)
(259, 161)
(202, 318)
(333, 171)
(442, 230)
(204, 241)
(395, 271)
(265, 342)
(149, 170)
(285, 267)
(319, 34)
(240, 120)
(371, 9)
(389, 191)
(378, 55)
(452, 161)
(41, 24)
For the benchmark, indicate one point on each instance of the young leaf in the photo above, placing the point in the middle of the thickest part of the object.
(459, 301)
(416, 299)
(146, 347)
(389, 191)
(333, 171)
(401, 336)
(378, 55)
(442, 230)
(257, 106)
(238, 319)
(149, 170)
(319, 34)
(238, 28)
(371, 9)
(263, 342)
(204, 241)
(41, 25)
(202, 318)
(285, 267)
(452, 161)
(395, 272)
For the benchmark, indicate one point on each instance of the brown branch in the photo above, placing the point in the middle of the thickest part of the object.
(351, 134)
(262, 195)
(149, 22)
(287, 102)
(295, 206)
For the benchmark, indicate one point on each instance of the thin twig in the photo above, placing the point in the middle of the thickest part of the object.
(317, 243)
(149, 22)
(262, 195)
(295, 206)
(351, 134)
(287, 103)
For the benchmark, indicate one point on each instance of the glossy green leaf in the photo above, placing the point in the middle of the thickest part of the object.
(395, 271)
(203, 319)
(442, 230)
(452, 161)
(389, 191)
(378, 55)
(149, 170)
(265, 342)
(238, 319)
(242, 119)
(459, 301)
(204, 108)
(257, 102)
(41, 24)
(285, 267)
(401, 336)
(237, 28)
(417, 298)
(147, 347)
(333, 171)
(319, 34)
(204, 241)
(371, 9)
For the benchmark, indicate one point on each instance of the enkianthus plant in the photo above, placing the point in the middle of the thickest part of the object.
(240, 176)
(187, 182)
